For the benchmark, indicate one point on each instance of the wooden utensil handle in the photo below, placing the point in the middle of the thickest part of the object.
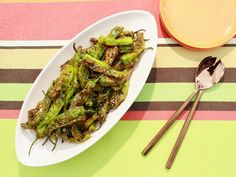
(171, 120)
(183, 132)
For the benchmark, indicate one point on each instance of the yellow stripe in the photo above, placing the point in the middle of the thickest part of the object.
(181, 57)
(25, 58)
(166, 57)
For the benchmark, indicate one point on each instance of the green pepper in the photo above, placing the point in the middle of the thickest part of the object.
(107, 81)
(77, 55)
(125, 49)
(103, 96)
(35, 117)
(116, 42)
(119, 66)
(63, 80)
(101, 67)
(89, 102)
(139, 42)
(83, 75)
(92, 127)
(118, 97)
(63, 119)
(128, 57)
(89, 121)
(73, 86)
(90, 111)
(115, 32)
(76, 133)
(126, 34)
(80, 98)
(111, 54)
(112, 82)
(103, 110)
(69, 92)
(52, 113)
(96, 51)
(86, 136)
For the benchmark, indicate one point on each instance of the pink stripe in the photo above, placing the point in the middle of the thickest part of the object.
(61, 21)
(9, 114)
(150, 115)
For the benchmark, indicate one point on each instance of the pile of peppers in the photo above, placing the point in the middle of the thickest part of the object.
(93, 82)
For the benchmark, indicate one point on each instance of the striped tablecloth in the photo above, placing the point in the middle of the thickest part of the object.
(32, 32)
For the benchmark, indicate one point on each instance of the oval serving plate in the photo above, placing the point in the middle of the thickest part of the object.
(42, 155)
(203, 24)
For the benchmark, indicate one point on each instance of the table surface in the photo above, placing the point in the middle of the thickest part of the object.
(31, 33)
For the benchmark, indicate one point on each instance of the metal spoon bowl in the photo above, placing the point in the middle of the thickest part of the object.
(209, 72)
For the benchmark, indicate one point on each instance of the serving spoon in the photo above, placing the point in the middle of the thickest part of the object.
(209, 72)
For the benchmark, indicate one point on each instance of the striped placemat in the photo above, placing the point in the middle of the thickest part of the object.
(32, 32)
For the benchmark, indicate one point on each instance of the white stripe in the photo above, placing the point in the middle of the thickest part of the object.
(166, 41)
(232, 41)
(35, 43)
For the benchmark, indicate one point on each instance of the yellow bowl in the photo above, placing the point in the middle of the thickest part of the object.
(199, 24)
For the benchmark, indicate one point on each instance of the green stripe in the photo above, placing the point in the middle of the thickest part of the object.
(180, 92)
(150, 92)
(13, 92)
(202, 153)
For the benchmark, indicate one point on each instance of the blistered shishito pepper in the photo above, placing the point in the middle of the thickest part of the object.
(52, 113)
(119, 66)
(125, 49)
(103, 96)
(116, 42)
(73, 140)
(115, 32)
(111, 54)
(83, 75)
(64, 79)
(68, 94)
(126, 34)
(37, 114)
(96, 51)
(129, 59)
(101, 67)
(112, 82)
(90, 121)
(90, 111)
(80, 98)
(107, 81)
(118, 97)
(72, 85)
(139, 42)
(92, 127)
(64, 119)
(76, 133)
(103, 110)
(89, 102)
